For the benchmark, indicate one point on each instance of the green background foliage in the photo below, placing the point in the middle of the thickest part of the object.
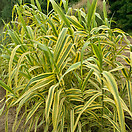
(122, 12)
(6, 7)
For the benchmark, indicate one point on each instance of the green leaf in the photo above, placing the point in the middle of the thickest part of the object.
(82, 53)
(112, 122)
(21, 18)
(1, 110)
(75, 22)
(32, 2)
(38, 5)
(72, 120)
(51, 24)
(91, 13)
(71, 68)
(30, 32)
(65, 4)
(44, 82)
(11, 62)
(105, 13)
(49, 100)
(14, 36)
(33, 110)
(55, 111)
(62, 15)
(129, 90)
(60, 43)
(7, 88)
(86, 79)
(85, 107)
(112, 86)
(38, 78)
(64, 55)
(98, 54)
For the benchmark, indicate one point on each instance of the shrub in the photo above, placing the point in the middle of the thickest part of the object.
(122, 12)
(65, 71)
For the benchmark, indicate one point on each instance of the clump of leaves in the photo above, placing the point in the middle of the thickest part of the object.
(65, 71)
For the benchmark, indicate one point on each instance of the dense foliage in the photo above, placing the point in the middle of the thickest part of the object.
(65, 73)
(121, 10)
(6, 7)
(5, 10)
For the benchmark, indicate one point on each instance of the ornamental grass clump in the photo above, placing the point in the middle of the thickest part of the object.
(66, 73)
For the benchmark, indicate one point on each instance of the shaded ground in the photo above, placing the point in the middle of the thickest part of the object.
(82, 3)
(11, 115)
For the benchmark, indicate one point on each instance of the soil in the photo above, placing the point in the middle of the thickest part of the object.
(2, 118)
(82, 3)
(11, 115)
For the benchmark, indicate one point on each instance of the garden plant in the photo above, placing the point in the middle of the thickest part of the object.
(64, 72)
